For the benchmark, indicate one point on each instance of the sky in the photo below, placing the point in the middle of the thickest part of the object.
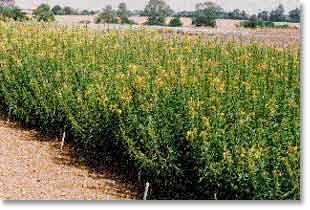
(251, 6)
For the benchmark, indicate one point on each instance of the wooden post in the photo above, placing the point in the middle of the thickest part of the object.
(63, 140)
(146, 190)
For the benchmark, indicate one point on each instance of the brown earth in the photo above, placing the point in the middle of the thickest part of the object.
(32, 167)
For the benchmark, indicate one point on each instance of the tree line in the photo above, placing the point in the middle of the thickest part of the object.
(157, 11)
(205, 14)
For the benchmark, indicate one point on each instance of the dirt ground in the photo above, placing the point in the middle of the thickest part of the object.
(32, 167)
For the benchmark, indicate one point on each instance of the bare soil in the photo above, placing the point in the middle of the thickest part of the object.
(32, 167)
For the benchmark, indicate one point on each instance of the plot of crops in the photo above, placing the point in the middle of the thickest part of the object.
(215, 120)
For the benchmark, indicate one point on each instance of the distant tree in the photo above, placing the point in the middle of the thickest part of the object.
(235, 14)
(84, 12)
(206, 14)
(255, 22)
(294, 15)
(137, 13)
(184, 14)
(93, 12)
(245, 15)
(157, 11)
(70, 11)
(12, 13)
(175, 22)
(278, 15)
(88, 12)
(123, 13)
(108, 15)
(264, 15)
(43, 13)
(58, 10)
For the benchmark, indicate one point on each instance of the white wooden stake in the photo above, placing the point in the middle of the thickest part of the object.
(146, 190)
(63, 140)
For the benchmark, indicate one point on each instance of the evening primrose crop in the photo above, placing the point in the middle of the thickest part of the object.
(219, 120)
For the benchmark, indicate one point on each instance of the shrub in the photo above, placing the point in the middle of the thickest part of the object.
(254, 22)
(201, 20)
(204, 118)
(282, 26)
(175, 22)
(155, 20)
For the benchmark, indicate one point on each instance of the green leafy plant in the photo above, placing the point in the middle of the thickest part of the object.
(205, 120)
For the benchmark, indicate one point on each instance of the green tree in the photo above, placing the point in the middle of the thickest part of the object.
(294, 15)
(206, 14)
(108, 15)
(157, 11)
(43, 13)
(70, 11)
(235, 14)
(264, 15)
(123, 13)
(255, 22)
(12, 13)
(252, 22)
(85, 12)
(58, 10)
(244, 15)
(277, 15)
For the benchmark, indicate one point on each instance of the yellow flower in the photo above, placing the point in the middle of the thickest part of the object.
(292, 150)
(272, 107)
(191, 135)
(140, 83)
(120, 77)
(126, 97)
(133, 69)
(218, 84)
(114, 108)
(227, 156)
(277, 173)
(293, 104)
(206, 123)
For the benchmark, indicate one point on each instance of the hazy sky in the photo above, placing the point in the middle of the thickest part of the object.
(248, 5)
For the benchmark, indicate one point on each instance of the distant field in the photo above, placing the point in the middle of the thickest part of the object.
(225, 30)
(187, 22)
